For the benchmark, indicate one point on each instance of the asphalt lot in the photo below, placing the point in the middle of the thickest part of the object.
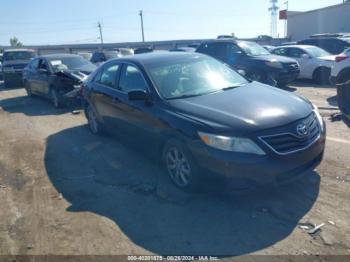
(64, 191)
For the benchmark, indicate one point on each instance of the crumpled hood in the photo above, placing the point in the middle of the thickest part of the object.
(245, 109)
(79, 75)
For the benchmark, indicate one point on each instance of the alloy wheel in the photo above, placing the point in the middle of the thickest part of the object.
(92, 119)
(178, 167)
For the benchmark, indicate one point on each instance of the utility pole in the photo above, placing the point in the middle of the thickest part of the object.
(101, 36)
(143, 34)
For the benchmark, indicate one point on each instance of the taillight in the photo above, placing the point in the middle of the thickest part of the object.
(340, 58)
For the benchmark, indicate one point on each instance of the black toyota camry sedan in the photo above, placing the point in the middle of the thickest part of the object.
(202, 118)
(57, 76)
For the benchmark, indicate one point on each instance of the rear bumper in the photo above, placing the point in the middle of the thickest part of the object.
(248, 171)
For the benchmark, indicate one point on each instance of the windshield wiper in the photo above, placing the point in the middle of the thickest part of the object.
(232, 87)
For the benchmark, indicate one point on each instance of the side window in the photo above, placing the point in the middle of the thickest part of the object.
(108, 76)
(295, 52)
(43, 65)
(233, 52)
(131, 79)
(280, 51)
(34, 64)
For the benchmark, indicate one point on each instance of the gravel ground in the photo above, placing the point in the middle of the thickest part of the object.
(64, 191)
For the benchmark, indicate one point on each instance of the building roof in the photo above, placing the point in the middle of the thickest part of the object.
(296, 13)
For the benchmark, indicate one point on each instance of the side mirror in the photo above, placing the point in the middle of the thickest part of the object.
(305, 56)
(138, 95)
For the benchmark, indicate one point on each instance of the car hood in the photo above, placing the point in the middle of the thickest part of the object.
(281, 59)
(243, 110)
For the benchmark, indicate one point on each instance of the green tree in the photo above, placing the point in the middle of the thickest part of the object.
(14, 42)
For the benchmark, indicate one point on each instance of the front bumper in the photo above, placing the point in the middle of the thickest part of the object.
(284, 76)
(13, 76)
(246, 171)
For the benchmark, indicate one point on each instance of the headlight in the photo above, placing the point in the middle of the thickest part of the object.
(233, 144)
(318, 116)
(274, 64)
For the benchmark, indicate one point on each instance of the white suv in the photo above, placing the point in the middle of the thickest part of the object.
(341, 69)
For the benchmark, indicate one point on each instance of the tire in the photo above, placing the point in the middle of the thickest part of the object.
(180, 166)
(55, 98)
(321, 75)
(94, 125)
(28, 89)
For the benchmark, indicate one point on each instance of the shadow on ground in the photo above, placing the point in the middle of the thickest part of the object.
(103, 176)
(310, 83)
(31, 106)
(333, 101)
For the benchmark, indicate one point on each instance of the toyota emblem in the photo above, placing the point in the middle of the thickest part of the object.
(302, 130)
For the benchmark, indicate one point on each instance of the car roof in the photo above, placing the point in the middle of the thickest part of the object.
(58, 56)
(157, 57)
(296, 46)
(19, 50)
(225, 40)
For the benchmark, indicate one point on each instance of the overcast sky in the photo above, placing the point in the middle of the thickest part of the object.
(75, 21)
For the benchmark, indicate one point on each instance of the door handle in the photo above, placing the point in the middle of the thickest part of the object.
(115, 99)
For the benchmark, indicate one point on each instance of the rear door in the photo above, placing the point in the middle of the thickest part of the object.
(104, 94)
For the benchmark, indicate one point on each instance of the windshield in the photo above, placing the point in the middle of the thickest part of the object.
(18, 55)
(317, 52)
(253, 49)
(71, 63)
(193, 77)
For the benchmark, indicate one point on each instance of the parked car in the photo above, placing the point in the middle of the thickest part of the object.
(0, 66)
(333, 45)
(341, 69)
(85, 55)
(57, 77)
(13, 63)
(257, 63)
(99, 57)
(343, 98)
(268, 47)
(315, 63)
(200, 117)
(183, 49)
(143, 50)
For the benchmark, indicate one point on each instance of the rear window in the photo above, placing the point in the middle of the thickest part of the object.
(18, 55)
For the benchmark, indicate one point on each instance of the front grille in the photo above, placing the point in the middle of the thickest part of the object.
(19, 67)
(287, 143)
(292, 67)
